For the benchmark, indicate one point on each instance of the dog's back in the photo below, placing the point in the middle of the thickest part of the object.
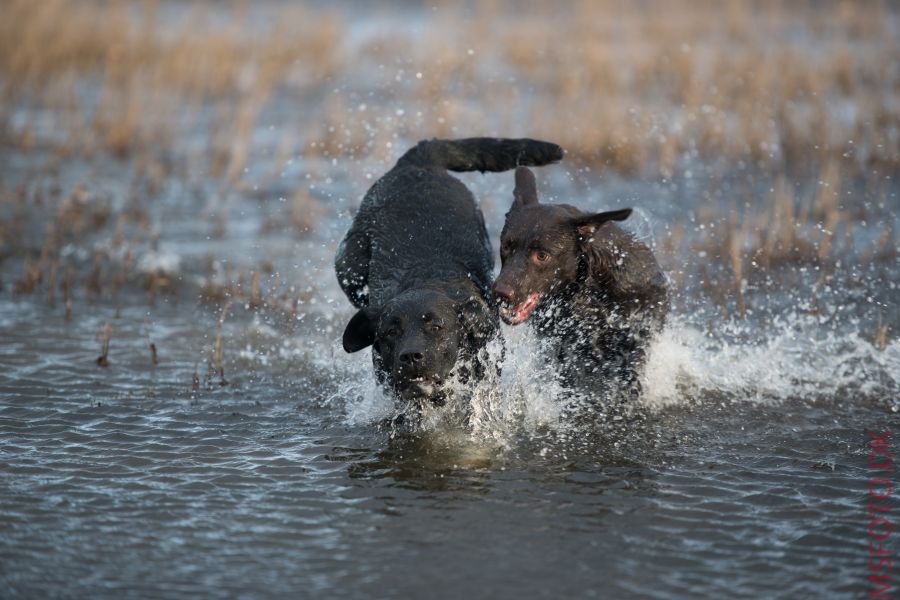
(423, 223)
(420, 223)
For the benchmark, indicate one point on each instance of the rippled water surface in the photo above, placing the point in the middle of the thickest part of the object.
(118, 484)
(227, 447)
(744, 476)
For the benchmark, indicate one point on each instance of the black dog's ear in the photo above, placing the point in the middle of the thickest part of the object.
(526, 188)
(360, 331)
(586, 226)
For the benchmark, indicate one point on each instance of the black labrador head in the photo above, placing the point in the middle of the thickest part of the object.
(540, 248)
(421, 338)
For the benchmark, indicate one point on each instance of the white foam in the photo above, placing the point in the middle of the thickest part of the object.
(367, 403)
(799, 358)
(527, 391)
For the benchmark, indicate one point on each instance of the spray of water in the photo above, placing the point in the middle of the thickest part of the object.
(798, 359)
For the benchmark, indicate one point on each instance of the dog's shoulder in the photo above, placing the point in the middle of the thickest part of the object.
(624, 269)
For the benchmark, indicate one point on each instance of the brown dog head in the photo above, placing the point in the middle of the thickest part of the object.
(540, 248)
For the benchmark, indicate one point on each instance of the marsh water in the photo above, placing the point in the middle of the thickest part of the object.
(178, 418)
(745, 475)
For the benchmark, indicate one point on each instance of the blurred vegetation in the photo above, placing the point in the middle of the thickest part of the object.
(797, 91)
(630, 86)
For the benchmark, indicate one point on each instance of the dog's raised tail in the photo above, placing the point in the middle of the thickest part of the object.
(482, 154)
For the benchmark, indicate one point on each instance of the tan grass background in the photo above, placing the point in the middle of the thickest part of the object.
(785, 91)
(621, 85)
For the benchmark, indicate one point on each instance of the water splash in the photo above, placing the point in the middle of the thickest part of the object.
(797, 359)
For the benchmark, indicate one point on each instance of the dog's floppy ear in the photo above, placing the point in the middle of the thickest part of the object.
(526, 188)
(587, 225)
(360, 331)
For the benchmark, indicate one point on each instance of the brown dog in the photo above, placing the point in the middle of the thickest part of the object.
(594, 289)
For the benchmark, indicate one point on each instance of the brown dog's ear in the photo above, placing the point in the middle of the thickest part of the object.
(526, 187)
(587, 225)
(360, 331)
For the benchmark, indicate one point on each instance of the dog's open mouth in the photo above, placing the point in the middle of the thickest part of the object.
(513, 315)
(420, 388)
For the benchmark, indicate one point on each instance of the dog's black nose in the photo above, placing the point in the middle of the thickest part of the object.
(503, 292)
(411, 357)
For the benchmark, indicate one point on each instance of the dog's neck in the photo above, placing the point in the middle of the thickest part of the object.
(579, 305)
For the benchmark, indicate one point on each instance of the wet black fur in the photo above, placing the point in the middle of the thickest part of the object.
(417, 262)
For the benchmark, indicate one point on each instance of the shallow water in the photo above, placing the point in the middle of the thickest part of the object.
(743, 473)
(745, 477)
(126, 482)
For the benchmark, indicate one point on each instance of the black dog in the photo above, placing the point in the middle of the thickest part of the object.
(595, 290)
(417, 262)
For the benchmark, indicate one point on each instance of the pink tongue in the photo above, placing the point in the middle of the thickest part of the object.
(524, 309)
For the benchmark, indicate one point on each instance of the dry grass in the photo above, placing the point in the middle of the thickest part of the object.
(881, 335)
(765, 240)
(215, 365)
(120, 78)
(793, 90)
(104, 335)
(625, 86)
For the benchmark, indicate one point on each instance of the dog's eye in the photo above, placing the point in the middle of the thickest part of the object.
(392, 332)
(541, 256)
(435, 327)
